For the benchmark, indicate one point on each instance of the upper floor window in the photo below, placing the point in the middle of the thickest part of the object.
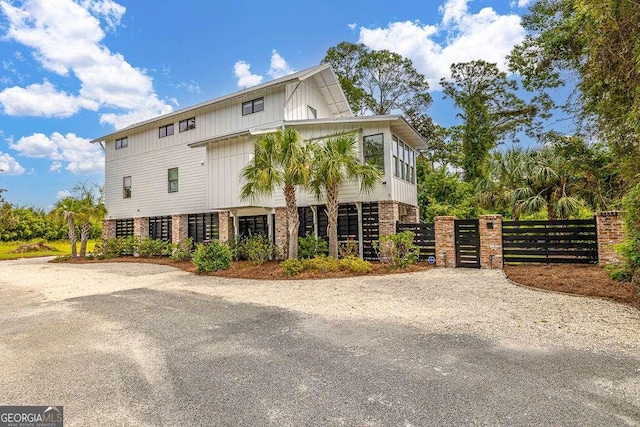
(373, 147)
(404, 160)
(165, 130)
(187, 124)
(311, 112)
(173, 180)
(122, 143)
(126, 187)
(253, 106)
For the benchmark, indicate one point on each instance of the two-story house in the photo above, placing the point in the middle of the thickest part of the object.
(178, 175)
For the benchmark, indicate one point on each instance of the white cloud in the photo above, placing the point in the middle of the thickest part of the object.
(9, 165)
(80, 157)
(246, 78)
(190, 86)
(352, 26)
(522, 3)
(468, 36)
(63, 194)
(42, 100)
(66, 39)
(55, 167)
(279, 67)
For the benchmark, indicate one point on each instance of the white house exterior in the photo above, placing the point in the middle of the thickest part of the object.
(178, 175)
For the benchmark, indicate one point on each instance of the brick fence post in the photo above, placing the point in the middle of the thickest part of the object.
(445, 241)
(490, 241)
(610, 233)
(179, 228)
(108, 229)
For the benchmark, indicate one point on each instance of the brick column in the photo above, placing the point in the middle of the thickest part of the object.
(179, 228)
(225, 226)
(490, 241)
(610, 233)
(413, 214)
(141, 227)
(108, 229)
(388, 215)
(445, 241)
(281, 233)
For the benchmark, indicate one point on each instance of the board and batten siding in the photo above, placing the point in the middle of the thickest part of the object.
(149, 183)
(300, 95)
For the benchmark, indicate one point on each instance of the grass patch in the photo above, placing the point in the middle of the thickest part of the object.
(10, 250)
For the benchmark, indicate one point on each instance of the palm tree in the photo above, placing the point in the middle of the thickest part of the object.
(505, 180)
(280, 160)
(550, 186)
(90, 207)
(333, 163)
(67, 208)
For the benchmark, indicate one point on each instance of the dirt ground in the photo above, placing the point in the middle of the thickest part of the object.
(586, 280)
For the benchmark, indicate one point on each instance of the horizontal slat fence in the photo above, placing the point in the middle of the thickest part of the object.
(550, 242)
(424, 237)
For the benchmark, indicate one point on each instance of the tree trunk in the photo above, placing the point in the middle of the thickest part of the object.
(332, 216)
(72, 235)
(84, 236)
(292, 220)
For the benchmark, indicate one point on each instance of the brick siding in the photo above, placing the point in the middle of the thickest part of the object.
(610, 233)
(490, 241)
(445, 241)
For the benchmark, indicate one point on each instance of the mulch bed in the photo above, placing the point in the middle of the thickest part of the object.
(587, 280)
(270, 270)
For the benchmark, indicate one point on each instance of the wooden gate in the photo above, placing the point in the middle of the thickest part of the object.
(467, 243)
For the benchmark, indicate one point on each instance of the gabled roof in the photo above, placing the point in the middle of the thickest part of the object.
(322, 74)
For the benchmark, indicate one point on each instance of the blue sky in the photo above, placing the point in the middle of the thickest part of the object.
(74, 70)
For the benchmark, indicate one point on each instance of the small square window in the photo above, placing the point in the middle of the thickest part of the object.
(126, 187)
(173, 180)
(122, 143)
(165, 130)
(188, 124)
(253, 106)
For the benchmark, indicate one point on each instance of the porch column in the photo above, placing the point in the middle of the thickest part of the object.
(388, 216)
(141, 227)
(282, 241)
(225, 226)
(179, 228)
(108, 229)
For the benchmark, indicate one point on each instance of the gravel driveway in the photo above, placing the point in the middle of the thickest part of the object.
(454, 305)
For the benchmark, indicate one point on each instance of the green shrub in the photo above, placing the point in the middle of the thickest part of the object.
(181, 251)
(397, 250)
(114, 248)
(212, 256)
(350, 249)
(322, 264)
(355, 264)
(258, 248)
(311, 246)
(149, 247)
(291, 267)
(238, 245)
(629, 269)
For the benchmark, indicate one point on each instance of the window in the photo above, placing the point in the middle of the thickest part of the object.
(126, 187)
(122, 143)
(173, 180)
(311, 113)
(374, 150)
(252, 106)
(187, 124)
(166, 130)
(404, 161)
